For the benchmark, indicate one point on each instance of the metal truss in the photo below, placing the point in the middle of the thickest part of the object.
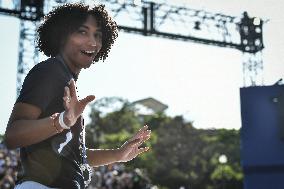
(155, 19)
(252, 69)
(174, 22)
(30, 13)
(199, 26)
(28, 54)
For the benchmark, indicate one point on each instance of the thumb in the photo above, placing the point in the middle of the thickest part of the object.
(87, 99)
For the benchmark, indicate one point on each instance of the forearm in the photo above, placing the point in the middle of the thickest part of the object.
(99, 157)
(26, 132)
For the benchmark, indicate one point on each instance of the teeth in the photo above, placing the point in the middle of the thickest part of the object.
(90, 52)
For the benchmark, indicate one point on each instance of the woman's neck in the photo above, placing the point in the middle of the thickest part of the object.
(72, 67)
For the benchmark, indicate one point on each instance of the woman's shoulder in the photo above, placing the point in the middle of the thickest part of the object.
(50, 64)
(51, 68)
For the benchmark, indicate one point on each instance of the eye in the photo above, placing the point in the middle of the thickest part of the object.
(83, 32)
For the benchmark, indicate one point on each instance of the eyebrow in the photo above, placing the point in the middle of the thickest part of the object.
(86, 27)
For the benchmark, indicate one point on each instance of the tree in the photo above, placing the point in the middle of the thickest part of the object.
(180, 155)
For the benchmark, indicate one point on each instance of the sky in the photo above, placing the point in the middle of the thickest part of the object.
(200, 82)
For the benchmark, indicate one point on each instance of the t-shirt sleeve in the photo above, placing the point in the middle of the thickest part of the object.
(40, 87)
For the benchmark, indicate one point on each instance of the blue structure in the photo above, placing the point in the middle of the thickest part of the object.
(262, 136)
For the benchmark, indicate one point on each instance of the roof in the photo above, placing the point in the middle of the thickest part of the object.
(152, 104)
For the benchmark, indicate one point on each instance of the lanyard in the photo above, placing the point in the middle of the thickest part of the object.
(70, 74)
(85, 168)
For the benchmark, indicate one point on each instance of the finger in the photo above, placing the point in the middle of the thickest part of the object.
(142, 130)
(139, 133)
(144, 134)
(144, 139)
(87, 100)
(141, 150)
(134, 142)
(68, 96)
(66, 105)
(147, 132)
(72, 87)
(65, 98)
(67, 92)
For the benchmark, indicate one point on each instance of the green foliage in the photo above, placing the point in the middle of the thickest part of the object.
(117, 122)
(225, 172)
(179, 155)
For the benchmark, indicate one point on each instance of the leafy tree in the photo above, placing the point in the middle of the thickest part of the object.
(180, 155)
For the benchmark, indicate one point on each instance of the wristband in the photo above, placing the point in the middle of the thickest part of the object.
(61, 121)
(54, 117)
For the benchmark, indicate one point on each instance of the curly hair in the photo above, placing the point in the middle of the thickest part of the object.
(66, 19)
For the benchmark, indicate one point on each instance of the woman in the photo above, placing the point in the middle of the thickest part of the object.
(46, 121)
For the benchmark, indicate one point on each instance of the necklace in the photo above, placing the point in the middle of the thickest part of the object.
(85, 168)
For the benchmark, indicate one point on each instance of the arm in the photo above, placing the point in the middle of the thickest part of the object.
(99, 157)
(24, 128)
(128, 151)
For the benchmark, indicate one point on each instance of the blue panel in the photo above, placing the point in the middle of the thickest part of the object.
(261, 144)
(264, 181)
(262, 148)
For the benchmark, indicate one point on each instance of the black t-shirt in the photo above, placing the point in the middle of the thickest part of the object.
(54, 162)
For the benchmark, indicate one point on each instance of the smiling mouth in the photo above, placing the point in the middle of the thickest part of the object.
(89, 53)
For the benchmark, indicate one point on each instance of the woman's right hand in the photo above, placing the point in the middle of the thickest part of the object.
(73, 107)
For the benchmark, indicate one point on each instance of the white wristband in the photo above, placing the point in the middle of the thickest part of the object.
(61, 121)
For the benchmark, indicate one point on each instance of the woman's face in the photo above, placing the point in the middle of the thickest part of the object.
(83, 45)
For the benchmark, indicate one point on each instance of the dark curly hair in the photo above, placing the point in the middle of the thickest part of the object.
(66, 19)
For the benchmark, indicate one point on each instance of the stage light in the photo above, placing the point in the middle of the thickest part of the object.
(256, 21)
(257, 30)
(197, 25)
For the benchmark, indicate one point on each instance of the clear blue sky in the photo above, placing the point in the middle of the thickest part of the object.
(198, 81)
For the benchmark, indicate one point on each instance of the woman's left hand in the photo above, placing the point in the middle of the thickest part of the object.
(130, 149)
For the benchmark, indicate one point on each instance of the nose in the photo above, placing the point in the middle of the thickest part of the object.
(93, 42)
